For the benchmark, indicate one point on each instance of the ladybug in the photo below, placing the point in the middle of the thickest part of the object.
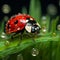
(20, 23)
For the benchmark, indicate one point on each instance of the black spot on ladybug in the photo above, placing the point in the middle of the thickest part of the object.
(8, 26)
(16, 22)
(28, 18)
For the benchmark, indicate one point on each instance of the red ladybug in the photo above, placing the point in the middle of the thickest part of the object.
(21, 22)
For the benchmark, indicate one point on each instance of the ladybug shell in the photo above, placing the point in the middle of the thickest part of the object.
(17, 23)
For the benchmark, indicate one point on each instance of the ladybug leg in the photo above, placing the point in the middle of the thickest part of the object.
(31, 36)
(18, 32)
(21, 34)
(12, 37)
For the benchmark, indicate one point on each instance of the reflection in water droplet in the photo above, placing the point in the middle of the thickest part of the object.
(19, 57)
(35, 52)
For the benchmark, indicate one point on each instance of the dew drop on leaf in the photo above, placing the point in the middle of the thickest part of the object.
(44, 29)
(7, 43)
(44, 19)
(3, 35)
(35, 52)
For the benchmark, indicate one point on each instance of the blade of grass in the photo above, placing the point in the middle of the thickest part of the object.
(35, 10)
(53, 24)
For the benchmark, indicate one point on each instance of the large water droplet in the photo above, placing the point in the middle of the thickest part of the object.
(35, 52)
(19, 57)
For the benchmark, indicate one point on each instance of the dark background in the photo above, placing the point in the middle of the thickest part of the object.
(16, 6)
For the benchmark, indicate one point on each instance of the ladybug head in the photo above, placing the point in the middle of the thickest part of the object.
(32, 27)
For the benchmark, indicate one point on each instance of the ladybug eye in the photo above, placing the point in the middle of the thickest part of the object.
(16, 22)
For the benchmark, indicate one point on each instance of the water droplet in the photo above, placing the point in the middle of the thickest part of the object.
(7, 43)
(19, 57)
(44, 29)
(44, 22)
(3, 35)
(52, 10)
(43, 19)
(6, 8)
(6, 18)
(54, 34)
(58, 27)
(35, 52)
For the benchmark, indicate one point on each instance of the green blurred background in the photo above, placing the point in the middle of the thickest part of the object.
(46, 45)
